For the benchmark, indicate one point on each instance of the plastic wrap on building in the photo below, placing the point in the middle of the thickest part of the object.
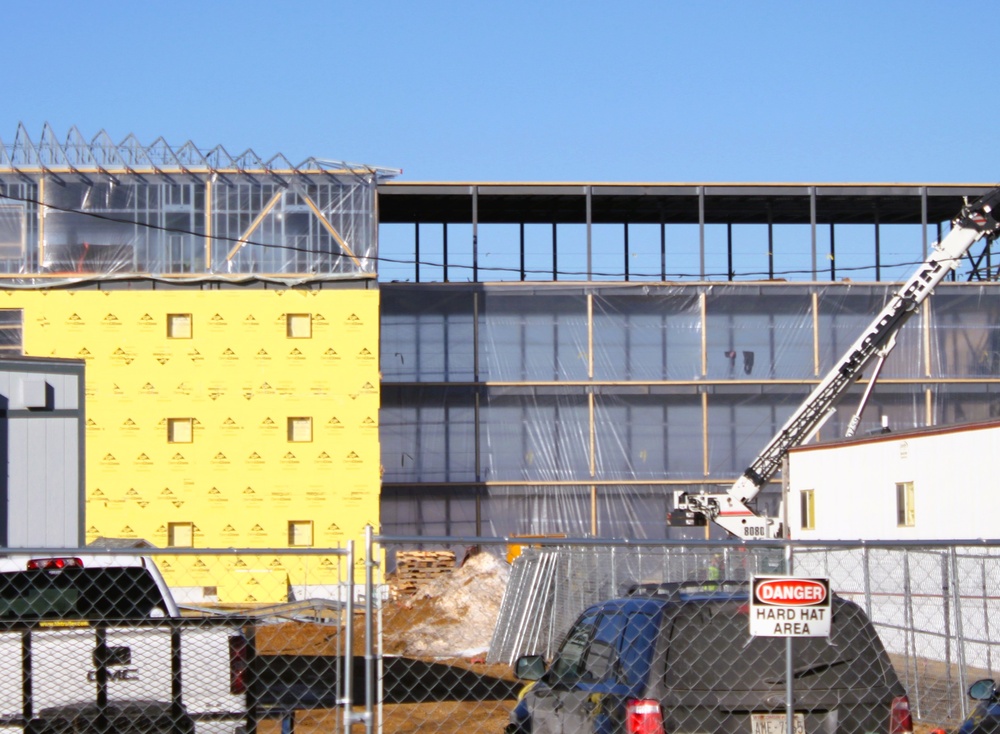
(83, 210)
(580, 410)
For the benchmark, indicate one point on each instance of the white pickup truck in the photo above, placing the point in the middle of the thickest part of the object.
(97, 644)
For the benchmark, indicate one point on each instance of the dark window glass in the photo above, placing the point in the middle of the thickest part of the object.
(569, 662)
(711, 650)
(75, 593)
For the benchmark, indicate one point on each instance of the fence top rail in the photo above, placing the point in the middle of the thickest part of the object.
(452, 540)
(143, 551)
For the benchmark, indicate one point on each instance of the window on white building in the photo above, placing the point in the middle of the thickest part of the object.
(807, 502)
(906, 512)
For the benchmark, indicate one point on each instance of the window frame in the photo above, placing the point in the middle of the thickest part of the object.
(172, 319)
(906, 510)
(807, 509)
(173, 423)
(295, 421)
(296, 318)
(293, 525)
(172, 528)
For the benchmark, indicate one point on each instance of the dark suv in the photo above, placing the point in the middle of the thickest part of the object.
(668, 661)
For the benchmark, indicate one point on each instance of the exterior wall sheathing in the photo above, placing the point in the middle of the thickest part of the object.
(195, 429)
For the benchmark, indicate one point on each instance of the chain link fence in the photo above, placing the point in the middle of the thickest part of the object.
(912, 627)
(423, 634)
(142, 641)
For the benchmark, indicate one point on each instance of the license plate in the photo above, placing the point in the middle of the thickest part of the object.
(776, 724)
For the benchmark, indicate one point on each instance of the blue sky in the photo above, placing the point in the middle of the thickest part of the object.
(526, 91)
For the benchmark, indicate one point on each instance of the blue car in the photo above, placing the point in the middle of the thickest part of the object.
(670, 662)
(985, 718)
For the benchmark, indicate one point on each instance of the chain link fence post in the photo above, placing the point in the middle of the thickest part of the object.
(986, 615)
(909, 635)
(370, 564)
(959, 632)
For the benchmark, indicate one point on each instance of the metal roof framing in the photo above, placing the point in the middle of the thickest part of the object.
(810, 204)
(672, 203)
(101, 155)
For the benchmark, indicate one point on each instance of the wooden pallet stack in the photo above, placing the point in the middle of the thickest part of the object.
(414, 568)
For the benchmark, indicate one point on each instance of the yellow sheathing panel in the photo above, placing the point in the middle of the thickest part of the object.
(238, 378)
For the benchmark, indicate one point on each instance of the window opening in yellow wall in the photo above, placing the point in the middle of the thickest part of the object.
(300, 430)
(299, 325)
(807, 500)
(179, 326)
(300, 533)
(906, 511)
(180, 534)
(180, 430)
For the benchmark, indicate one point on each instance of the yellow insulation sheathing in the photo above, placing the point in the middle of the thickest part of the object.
(243, 418)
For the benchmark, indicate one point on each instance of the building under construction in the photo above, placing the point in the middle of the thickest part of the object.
(279, 354)
(560, 359)
(226, 308)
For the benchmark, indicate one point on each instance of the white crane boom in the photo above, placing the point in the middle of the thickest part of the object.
(731, 509)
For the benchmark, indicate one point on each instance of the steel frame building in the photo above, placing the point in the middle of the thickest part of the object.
(559, 359)
(226, 307)
(78, 208)
(555, 358)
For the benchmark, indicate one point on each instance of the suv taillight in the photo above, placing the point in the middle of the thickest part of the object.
(237, 664)
(643, 717)
(900, 721)
(53, 564)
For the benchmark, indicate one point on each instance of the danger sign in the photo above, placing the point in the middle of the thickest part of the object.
(787, 606)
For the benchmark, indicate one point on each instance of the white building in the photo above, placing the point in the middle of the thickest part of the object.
(926, 484)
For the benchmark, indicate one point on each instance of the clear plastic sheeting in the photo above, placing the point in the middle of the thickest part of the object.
(11, 332)
(966, 327)
(85, 210)
(162, 227)
(427, 335)
(577, 408)
(525, 344)
(432, 431)
(621, 511)
(647, 337)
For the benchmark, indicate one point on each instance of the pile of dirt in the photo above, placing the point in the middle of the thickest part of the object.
(450, 617)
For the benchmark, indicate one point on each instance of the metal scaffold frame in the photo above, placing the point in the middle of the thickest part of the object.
(76, 209)
(102, 155)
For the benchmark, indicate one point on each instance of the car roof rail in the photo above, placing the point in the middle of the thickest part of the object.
(679, 589)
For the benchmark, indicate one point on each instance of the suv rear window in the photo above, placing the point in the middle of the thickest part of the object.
(126, 593)
(603, 646)
(711, 649)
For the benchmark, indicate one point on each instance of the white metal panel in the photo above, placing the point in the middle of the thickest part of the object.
(33, 390)
(43, 482)
(854, 486)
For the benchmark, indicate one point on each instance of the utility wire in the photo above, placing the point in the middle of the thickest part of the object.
(756, 275)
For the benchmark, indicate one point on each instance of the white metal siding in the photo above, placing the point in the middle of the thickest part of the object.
(43, 451)
(855, 487)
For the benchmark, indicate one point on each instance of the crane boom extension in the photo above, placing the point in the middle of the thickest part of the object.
(731, 510)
